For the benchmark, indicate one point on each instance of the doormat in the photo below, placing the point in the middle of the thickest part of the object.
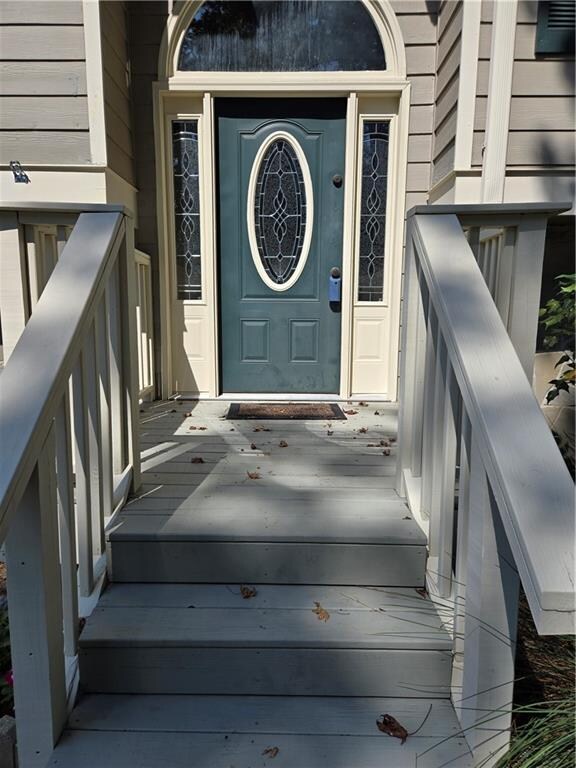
(294, 411)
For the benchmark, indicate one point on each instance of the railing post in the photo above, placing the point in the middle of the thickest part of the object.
(35, 612)
(130, 351)
(490, 621)
(525, 289)
(13, 282)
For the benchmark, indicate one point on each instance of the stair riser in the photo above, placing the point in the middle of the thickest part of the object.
(272, 672)
(265, 563)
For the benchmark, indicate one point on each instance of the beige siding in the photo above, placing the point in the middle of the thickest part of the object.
(418, 21)
(448, 53)
(542, 109)
(117, 96)
(43, 104)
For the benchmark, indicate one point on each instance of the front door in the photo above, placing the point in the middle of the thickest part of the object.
(281, 203)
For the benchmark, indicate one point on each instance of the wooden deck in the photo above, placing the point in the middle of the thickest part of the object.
(182, 670)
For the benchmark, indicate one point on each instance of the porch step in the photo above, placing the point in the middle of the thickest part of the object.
(221, 731)
(283, 641)
(275, 535)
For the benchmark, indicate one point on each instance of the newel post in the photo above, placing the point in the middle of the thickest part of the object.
(35, 613)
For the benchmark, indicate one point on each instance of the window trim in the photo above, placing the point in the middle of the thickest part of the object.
(553, 40)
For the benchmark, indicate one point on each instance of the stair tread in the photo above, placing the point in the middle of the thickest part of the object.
(382, 524)
(121, 731)
(276, 617)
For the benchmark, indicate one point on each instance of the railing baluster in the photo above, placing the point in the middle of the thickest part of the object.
(35, 612)
(105, 426)
(492, 588)
(444, 475)
(127, 275)
(94, 443)
(33, 265)
(429, 420)
(506, 257)
(115, 357)
(14, 306)
(67, 526)
(83, 485)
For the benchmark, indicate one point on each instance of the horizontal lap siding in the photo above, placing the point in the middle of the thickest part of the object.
(542, 108)
(448, 53)
(117, 97)
(417, 20)
(43, 101)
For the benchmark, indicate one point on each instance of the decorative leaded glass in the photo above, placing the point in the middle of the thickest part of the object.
(280, 210)
(373, 211)
(282, 36)
(187, 209)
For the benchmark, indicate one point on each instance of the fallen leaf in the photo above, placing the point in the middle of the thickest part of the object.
(248, 592)
(260, 429)
(173, 410)
(386, 452)
(232, 430)
(253, 446)
(391, 726)
(330, 432)
(362, 403)
(320, 612)
(253, 475)
(202, 429)
(363, 430)
(406, 517)
(197, 460)
(189, 413)
(351, 412)
(283, 444)
(81, 625)
(376, 413)
(372, 445)
(385, 443)
(271, 752)
(423, 592)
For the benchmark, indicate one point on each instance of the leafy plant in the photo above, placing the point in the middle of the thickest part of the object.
(558, 317)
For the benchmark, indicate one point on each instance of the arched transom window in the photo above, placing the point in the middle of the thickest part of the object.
(282, 36)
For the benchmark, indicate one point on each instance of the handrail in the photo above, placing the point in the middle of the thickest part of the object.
(50, 339)
(481, 470)
(70, 454)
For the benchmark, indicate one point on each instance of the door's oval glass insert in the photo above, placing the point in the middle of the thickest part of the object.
(280, 211)
(282, 36)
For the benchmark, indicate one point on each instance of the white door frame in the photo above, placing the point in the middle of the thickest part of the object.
(382, 95)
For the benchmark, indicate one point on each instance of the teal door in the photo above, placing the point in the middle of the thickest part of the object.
(281, 198)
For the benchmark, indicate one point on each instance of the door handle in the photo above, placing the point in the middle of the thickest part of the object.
(335, 286)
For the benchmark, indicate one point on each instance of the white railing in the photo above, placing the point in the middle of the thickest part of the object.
(31, 242)
(477, 460)
(70, 454)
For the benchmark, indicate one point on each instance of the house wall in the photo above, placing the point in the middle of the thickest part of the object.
(542, 109)
(43, 89)
(418, 21)
(448, 57)
(116, 85)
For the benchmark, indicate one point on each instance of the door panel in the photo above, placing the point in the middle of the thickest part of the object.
(276, 338)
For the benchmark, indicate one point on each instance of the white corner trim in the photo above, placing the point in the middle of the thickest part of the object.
(499, 97)
(309, 224)
(94, 80)
(467, 84)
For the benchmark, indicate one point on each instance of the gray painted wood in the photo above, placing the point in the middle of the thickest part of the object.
(43, 113)
(47, 12)
(261, 714)
(53, 147)
(267, 671)
(42, 78)
(135, 750)
(56, 43)
(302, 563)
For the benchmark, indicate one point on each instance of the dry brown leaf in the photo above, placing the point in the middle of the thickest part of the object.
(363, 430)
(253, 446)
(330, 432)
(248, 592)
(386, 451)
(385, 443)
(271, 752)
(376, 413)
(173, 410)
(391, 726)
(423, 592)
(260, 429)
(283, 444)
(362, 403)
(197, 460)
(189, 413)
(253, 475)
(351, 412)
(321, 613)
(372, 445)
